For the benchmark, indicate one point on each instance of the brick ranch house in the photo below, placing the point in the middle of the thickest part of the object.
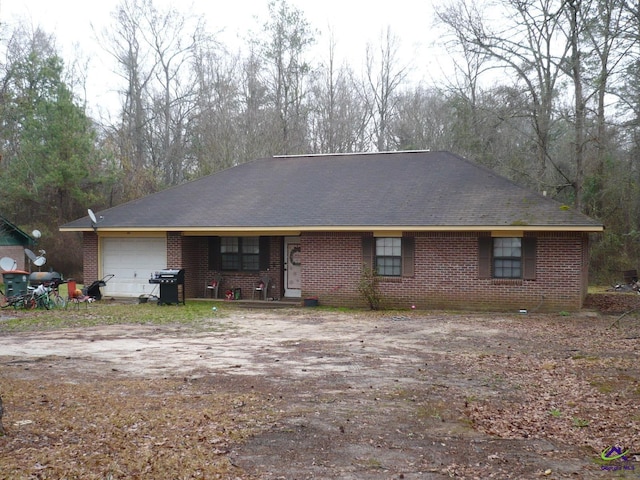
(441, 232)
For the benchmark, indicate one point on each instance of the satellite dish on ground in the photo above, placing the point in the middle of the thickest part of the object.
(36, 234)
(7, 264)
(39, 261)
(32, 256)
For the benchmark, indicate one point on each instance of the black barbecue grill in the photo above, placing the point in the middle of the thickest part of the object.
(171, 283)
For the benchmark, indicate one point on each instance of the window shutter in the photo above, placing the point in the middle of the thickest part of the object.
(367, 251)
(529, 258)
(408, 253)
(484, 257)
(214, 253)
(265, 243)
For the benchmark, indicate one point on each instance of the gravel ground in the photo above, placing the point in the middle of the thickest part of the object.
(307, 393)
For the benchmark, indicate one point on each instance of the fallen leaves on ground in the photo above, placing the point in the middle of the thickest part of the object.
(122, 429)
(582, 387)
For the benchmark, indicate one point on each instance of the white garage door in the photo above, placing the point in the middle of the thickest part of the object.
(132, 261)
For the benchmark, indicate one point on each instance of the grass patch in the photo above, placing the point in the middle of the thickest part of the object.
(580, 422)
(196, 315)
(371, 463)
(433, 410)
(424, 409)
(580, 356)
(603, 386)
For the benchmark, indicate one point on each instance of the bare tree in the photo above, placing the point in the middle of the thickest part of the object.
(464, 91)
(261, 131)
(384, 76)
(574, 68)
(216, 131)
(532, 47)
(288, 36)
(607, 44)
(424, 120)
(175, 92)
(125, 42)
(339, 117)
(155, 57)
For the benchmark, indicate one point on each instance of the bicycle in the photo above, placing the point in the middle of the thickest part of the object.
(4, 302)
(22, 300)
(56, 299)
(40, 295)
(47, 296)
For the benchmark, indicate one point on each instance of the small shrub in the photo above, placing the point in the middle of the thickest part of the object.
(368, 287)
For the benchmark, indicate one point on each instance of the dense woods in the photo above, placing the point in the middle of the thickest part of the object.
(544, 92)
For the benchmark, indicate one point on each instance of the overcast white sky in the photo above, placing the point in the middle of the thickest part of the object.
(354, 24)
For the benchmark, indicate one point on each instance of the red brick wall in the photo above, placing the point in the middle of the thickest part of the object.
(446, 274)
(331, 268)
(194, 262)
(89, 258)
(175, 260)
(174, 250)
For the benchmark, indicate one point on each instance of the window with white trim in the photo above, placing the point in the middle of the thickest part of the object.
(507, 257)
(389, 257)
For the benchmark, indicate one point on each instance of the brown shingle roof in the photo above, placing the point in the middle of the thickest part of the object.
(399, 189)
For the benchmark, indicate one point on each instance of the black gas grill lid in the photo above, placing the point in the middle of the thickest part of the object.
(169, 272)
(167, 275)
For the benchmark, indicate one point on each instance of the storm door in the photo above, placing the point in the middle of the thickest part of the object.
(292, 267)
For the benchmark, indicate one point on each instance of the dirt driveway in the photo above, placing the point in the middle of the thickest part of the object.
(331, 395)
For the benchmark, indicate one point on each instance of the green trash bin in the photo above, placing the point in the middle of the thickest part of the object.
(16, 282)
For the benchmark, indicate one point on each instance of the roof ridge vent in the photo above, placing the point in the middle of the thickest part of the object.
(336, 154)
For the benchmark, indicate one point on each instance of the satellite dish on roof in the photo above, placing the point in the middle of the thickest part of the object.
(39, 261)
(32, 256)
(7, 264)
(94, 220)
(92, 216)
(36, 234)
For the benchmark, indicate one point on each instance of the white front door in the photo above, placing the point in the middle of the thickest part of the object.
(292, 267)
